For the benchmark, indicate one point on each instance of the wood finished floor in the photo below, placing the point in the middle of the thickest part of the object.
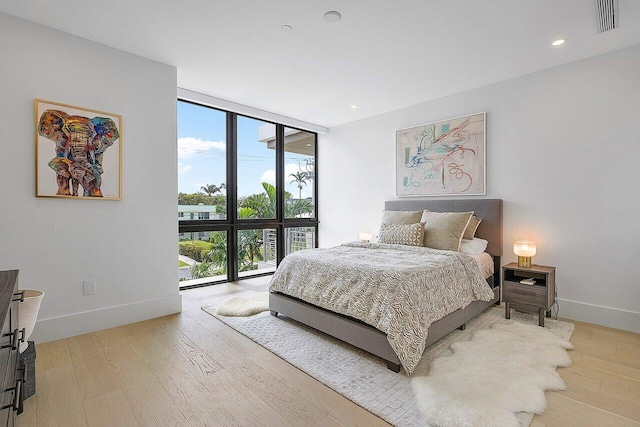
(190, 369)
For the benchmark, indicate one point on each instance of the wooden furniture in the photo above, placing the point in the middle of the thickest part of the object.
(10, 399)
(539, 296)
(374, 341)
(27, 363)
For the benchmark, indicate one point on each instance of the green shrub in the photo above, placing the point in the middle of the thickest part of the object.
(194, 249)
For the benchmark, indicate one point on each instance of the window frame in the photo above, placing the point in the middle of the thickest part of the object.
(231, 224)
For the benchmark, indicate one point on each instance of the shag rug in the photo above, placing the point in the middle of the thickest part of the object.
(500, 368)
(241, 306)
(459, 390)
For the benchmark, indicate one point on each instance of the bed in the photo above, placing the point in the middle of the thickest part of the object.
(375, 341)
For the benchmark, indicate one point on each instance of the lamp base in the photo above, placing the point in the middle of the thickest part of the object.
(524, 261)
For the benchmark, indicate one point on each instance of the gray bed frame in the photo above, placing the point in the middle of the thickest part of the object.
(374, 341)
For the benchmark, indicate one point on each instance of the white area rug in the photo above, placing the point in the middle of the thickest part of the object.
(459, 390)
(364, 378)
(241, 306)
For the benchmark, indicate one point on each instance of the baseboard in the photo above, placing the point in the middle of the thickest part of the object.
(90, 321)
(605, 316)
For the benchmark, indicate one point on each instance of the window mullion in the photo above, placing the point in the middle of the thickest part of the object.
(232, 195)
(280, 192)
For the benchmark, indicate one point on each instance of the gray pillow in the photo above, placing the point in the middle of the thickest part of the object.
(470, 231)
(402, 234)
(444, 230)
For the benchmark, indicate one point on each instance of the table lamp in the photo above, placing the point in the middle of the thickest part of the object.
(525, 249)
(365, 235)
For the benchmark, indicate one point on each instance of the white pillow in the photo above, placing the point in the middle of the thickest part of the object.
(474, 246)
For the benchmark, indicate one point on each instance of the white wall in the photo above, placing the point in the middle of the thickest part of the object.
(563, 152)
(128, 246)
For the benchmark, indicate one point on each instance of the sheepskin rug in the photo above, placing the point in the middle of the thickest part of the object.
(241, 306)
(500, 371)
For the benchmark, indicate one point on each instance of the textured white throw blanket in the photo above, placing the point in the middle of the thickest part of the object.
(400, 290)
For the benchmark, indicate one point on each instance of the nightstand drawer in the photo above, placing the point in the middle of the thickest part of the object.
(529, 295)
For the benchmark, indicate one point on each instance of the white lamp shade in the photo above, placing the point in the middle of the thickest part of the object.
(28, 314)
(365, 235)
(524, 247)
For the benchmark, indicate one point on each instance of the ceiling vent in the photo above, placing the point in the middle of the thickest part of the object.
(607, 14)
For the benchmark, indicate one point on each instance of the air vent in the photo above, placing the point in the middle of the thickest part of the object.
(607, 14)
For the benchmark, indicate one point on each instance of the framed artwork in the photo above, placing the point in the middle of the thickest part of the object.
(78, 152)
(442, 158)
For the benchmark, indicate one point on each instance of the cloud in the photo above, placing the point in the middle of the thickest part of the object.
(290, 168)
(183, 168)
(188, 146)
(270, 174)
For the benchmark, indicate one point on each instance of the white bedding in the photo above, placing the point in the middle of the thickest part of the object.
(485, 264)
(398, 289)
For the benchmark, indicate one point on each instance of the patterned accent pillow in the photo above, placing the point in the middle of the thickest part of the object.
(402, 234)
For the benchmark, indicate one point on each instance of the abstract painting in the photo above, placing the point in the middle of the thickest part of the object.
(78, 152)
(442, 158)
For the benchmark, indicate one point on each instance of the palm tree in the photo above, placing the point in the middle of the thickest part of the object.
(298, 207)
(249, 245)
(212, 189)
(263, 204)
(259, 204)
(245, 212)
(301, 178)
(218, 253)
(201, 270)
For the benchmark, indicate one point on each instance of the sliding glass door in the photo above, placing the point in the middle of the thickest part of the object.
(247, 194)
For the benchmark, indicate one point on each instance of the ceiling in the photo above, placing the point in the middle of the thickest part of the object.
(382, 55)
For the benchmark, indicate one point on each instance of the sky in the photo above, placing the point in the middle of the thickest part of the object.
(202, 153)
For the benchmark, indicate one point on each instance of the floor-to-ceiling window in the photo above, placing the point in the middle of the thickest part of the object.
(300, 182)
(246, 194)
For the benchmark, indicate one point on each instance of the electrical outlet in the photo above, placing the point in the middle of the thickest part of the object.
(89, 287)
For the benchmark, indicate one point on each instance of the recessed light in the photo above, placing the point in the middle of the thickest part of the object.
(286, 28)
(308, 145)
(354, 106)
(332, 16)
(558, 42)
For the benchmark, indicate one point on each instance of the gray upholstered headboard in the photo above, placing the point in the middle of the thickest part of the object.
(490, 210)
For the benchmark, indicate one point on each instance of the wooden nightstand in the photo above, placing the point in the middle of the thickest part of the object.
(539, 296)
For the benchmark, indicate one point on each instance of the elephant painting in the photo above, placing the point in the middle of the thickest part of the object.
(80, 146)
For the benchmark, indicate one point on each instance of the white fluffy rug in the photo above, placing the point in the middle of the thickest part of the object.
(365, 380)
(241, 306)
(461, 390)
